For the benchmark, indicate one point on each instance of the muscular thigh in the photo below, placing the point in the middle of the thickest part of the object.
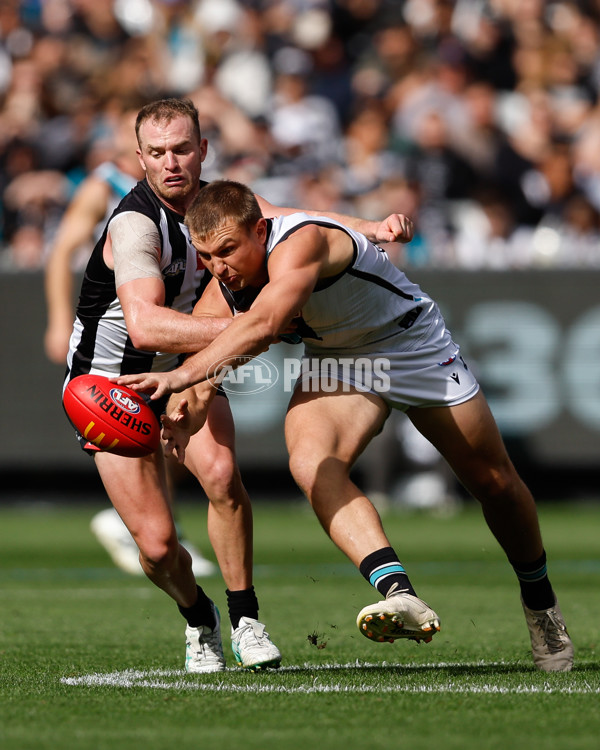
(466, 435)
(138, 490)
(339, 424)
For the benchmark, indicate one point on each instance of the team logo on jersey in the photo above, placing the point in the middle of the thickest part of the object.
(124, 401)
(449, 361)
(175, 268)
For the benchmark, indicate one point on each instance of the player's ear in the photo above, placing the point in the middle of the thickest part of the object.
(261, 229)
(203, 148)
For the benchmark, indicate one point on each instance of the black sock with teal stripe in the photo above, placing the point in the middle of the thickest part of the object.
(536, 590)
(383, 570)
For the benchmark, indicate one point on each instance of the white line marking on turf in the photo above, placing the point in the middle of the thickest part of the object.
(171, 679)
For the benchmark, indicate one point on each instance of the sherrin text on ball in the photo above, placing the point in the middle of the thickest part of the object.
(112, 418)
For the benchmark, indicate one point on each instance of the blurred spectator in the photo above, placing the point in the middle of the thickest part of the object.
(33, 203)
(367, 159)
(242, 71)
(487, 236)
(586, 159)
(391, 60)
(305, 127)
(579, 233)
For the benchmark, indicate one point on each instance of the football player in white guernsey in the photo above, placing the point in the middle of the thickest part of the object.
(373, 341)
(138, 291)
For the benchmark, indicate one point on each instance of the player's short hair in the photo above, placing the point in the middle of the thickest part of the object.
(165, 110)
(219, 201)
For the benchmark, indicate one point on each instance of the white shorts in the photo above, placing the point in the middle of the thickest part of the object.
(432, 374)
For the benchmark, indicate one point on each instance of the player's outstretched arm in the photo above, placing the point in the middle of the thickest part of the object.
(394, 228)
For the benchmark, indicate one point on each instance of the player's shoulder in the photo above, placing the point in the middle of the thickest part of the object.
(300, 225)
(280, 227)
(141, 200)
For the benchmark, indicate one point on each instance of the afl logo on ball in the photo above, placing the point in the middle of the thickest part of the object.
(124, 401)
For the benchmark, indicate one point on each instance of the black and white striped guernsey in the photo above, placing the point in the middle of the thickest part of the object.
(100, 343)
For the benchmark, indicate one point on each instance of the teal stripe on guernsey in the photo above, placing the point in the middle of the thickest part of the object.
(385, 570)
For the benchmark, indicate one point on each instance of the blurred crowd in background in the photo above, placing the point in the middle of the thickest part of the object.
(478, 118)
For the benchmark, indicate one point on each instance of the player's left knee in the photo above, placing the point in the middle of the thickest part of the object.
(221, 480)
(215, 469)
(158, 554)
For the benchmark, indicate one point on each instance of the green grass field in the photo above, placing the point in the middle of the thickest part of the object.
(92, 659)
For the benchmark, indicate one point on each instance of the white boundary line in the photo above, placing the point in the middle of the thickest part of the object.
(171, 679)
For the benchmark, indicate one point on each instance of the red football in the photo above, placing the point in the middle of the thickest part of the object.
(112, 417)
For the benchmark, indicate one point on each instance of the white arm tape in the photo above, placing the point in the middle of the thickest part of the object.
(135, 247)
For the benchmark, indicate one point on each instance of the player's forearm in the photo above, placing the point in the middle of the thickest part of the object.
(368, 228)
(165, 330)
(364, 226)
(394, 228)
(59, 308)
(208, 365)
(248, 336)
(58, 286)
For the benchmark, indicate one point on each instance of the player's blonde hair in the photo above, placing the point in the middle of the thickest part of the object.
(218, 202)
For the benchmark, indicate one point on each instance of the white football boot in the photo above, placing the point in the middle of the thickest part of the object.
(551, 646)
(399, 616)
(252, 647)
(203, 648)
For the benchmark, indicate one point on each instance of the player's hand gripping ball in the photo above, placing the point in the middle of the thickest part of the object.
(112, 417)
